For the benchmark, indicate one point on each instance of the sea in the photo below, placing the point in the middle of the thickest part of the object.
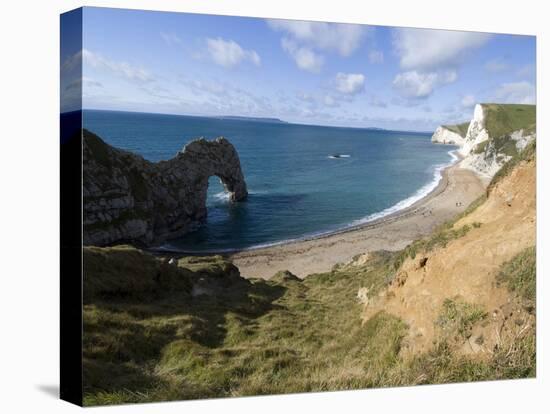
(304, 181)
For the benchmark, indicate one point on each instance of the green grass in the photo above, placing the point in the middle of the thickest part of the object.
(504, 145)
(481, 147)
(442, 365)
(460, 129)
(250, 337)
(150, 336)
(503, 119)
(500, 121)
(458, 317)
(123, 272)
(519, 275)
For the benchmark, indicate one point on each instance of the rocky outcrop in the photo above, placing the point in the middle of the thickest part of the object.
(495, 134)
(477, 133)
(443, 135)
(129, 199)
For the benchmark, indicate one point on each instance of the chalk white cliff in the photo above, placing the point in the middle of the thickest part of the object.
(495, 134)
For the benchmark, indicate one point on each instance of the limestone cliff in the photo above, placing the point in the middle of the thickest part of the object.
(450, 134)
(494, 135)
(129, 199)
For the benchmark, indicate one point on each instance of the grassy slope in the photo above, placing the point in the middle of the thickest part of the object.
(460, 129)
(149, 335)
(500, 121)
(503, 119)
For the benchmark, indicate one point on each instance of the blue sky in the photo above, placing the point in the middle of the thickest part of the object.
(305, 72)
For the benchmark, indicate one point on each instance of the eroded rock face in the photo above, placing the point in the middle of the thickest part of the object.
(481, 155)
(129, 199)
(443, 135)
(477, 133)
(480, 151)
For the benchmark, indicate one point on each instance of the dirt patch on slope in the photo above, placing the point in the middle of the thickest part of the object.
(465, 271)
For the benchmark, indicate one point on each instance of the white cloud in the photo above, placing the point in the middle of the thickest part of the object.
(427, 49)
(495, 66)
(305, 58)
(122, 69)
(335, 37)
(376, 56)
(330, 101)
(170, 38)
(228, 53)
(350, 83)
(414, 84)
(468, 101)
(227, 98)
(516, 92)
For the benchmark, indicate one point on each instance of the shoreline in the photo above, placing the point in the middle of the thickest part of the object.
(440, 186)
(392, 232)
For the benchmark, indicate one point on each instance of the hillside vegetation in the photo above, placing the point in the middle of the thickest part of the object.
(195, 329)
(503, 119)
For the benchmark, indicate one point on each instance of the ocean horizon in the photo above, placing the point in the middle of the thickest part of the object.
(251, 119)
(303, 180)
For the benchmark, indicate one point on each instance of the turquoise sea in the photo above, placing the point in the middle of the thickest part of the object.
(297, 188)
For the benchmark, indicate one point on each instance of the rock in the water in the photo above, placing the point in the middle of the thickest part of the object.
(130, 199)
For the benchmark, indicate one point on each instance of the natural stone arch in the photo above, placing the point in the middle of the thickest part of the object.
(204, 159)
(129, 199)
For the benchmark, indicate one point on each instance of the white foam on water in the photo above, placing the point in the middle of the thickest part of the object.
(409, 201)
(222, 196)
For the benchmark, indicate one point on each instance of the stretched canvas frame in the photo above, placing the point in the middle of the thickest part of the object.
(497, 143)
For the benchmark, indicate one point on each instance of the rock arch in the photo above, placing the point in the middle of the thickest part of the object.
(129, 199)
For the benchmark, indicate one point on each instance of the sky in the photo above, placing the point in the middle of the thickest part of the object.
(304, 72)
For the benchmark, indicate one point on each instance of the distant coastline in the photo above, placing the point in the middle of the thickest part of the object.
(252, 119)
(256, 119)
